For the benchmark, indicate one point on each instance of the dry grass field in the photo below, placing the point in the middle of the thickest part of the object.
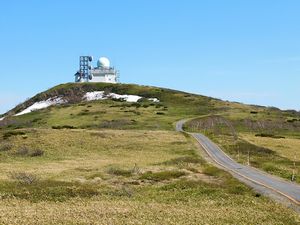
(121, 177)
(114, 162)
(286, 147)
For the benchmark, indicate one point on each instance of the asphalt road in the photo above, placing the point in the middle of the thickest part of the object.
(264, 183)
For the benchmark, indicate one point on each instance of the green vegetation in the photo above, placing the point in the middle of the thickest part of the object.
(162, 175)
(114, 162)
(111, 114)
(155, 169)
(235, 134)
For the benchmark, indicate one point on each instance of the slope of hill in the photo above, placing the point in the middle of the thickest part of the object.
(172, 106)
(113, 161)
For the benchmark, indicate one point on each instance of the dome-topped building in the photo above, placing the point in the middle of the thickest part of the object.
(102, 73)
(103, 62)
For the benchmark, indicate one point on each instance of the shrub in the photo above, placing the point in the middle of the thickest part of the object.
(5, 147)
(36, 120)
(9, 134)
(160, 113)
(37, 152)
(269, 135)
(23, 151)
(211, 171)
(237, 189)
(84, 112)
(162, 175)
(63, 127)
(292, 120)
(23, 177)
(269, 167)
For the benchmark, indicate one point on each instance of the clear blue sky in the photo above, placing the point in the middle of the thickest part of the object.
(247, 51)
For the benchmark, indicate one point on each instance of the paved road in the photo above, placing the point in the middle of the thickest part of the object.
(261, 181)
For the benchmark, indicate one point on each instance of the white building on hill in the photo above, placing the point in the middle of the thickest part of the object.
(102, 73)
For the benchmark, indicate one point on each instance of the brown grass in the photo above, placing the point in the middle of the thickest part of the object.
(287, 147)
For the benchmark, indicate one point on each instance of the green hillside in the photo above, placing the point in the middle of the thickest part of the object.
(117, 162)
(144, 114)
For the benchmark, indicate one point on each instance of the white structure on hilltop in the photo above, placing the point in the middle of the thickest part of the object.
(102, 73)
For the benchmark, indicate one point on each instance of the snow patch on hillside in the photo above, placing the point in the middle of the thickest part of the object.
(153, 99)
(89, 96)
(99, 95)
(127, 98)
(95, 95)
(42, 105)
(2, 118)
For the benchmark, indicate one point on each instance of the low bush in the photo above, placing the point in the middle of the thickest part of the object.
(211, 171)
(162, 175)
(187, 185)
(36, 120)
(269, 135)
(63, 127)
(36, 153)
(269, 167)
(24, 178)
(84, 112)
(233, 186)
(292, 120)
(22, 151)
(5, 147)
(9, 134)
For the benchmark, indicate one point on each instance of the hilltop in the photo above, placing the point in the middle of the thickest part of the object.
(173, 104)
(109, 153)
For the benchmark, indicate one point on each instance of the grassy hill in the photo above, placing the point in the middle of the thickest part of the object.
(173, 105)
(116, 162)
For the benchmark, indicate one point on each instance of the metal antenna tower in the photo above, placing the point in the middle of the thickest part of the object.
(85, 67)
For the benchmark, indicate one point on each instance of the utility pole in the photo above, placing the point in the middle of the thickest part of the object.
(294, 170)
(248, 157)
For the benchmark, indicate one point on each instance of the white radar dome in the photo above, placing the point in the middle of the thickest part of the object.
(103, 62)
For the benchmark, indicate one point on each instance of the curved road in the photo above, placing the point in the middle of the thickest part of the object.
(265, 183)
